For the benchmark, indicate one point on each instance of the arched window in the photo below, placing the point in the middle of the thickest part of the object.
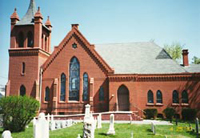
(74, 79)
(184, 97)
(22, 90)
(101, 94)
(85, 87)
(63, 87)
(175, 97)
(23, 67)
(159, 96)
(150, 96)
(21, 39)
(47, 94)
(30, 39)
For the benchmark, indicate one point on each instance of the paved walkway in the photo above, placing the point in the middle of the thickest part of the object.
(156, 122)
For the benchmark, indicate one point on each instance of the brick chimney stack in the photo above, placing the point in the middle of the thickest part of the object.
(185, 57)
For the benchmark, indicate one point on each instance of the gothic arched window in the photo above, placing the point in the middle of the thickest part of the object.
(21, 39)
(74, 79)
(150, 96)
(159, 96)
(30, 39)
(22, 90)
(47, 94)
(85, 87)
(175, 97)
(101, 94)
(184, 97)
(63, 87)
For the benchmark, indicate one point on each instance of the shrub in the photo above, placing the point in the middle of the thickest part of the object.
(150, 113)
(17, 112)
(169, 112)
(188, 114)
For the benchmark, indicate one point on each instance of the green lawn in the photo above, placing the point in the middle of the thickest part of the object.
(122, 131)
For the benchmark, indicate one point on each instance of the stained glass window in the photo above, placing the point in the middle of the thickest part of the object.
(101, 94)
(47, 94)
(22, 91)
(150, 96)
(175, 97)
(85, 87)
(74, 79)
(159, 96)
(184, 97)
(63, 87)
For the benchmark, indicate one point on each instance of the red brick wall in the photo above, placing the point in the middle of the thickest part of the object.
(87, 64)
(138, 94)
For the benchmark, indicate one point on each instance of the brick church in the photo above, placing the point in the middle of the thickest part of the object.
(109, 77)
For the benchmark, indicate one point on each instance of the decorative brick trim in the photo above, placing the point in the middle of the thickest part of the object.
(28, 52)
(88, 47)
(155, 77)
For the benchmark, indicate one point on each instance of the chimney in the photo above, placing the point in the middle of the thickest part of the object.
(185, 57)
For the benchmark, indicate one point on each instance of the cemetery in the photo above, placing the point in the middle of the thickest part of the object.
(46, 126)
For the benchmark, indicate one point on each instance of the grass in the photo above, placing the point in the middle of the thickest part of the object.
(122, 131)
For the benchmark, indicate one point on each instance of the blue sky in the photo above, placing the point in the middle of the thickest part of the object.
(111, 21)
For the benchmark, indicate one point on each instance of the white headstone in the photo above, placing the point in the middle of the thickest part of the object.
(111, 130)
(52, 124)
(6, 134)
(79, 136)
(99, 125)
(153, 128)
(88, 128)
(87, 112)
(41, 127)
(95, 123)
(34, 121)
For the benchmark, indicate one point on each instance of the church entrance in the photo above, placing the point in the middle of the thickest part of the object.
(123, 98)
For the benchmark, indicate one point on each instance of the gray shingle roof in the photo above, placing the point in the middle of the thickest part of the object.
(139, 57)
(29, 16)
(192, 68)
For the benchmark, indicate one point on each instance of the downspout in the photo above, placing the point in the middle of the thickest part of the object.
(40, 87)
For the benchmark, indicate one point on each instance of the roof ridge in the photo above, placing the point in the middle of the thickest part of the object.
(122, 43)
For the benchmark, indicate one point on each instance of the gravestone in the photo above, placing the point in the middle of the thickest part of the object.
(79, 136)
(153, 128)
(34, 121)
(87, 112)
(6, 134)
(88, 127)
(99, 125)
(63, 124)
(52, 124)
(131, 134)
(111, 130)
(95, 123)
(197, 127)
(41, 127)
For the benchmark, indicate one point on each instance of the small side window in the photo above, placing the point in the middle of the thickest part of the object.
(23, 67)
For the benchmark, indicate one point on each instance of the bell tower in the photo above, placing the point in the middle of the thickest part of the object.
(30, 43)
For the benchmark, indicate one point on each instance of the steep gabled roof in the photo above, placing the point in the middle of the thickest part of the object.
(141, 58)
(76, 33)
(28, 18)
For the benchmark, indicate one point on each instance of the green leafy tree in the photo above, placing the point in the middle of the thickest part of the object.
(196, 60)
(174, 50)
(17, 112)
